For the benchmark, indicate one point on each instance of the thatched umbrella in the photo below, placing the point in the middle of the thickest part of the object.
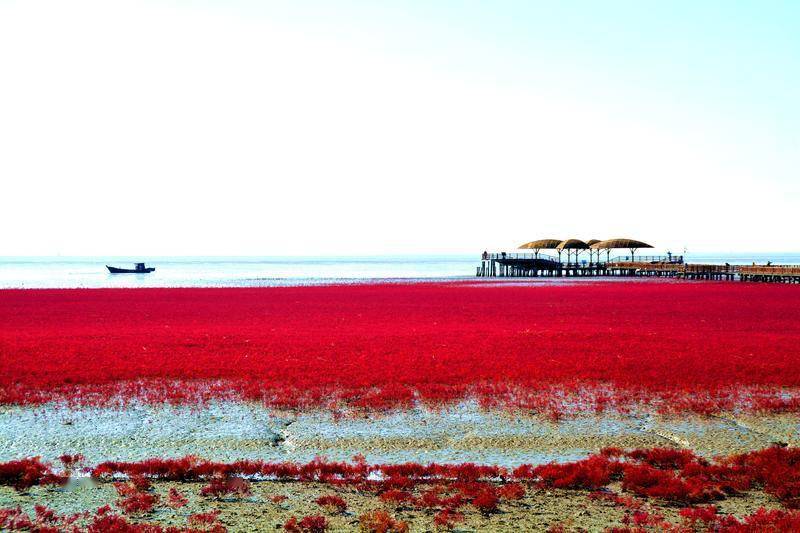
(611, 244)
(592, 242)
(571, 244)
(541, 244)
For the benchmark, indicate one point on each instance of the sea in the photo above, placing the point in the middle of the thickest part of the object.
(91, 272)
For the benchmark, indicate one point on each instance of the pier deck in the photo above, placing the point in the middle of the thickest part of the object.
(540, 265)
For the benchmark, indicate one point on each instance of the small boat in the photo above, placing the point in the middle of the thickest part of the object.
(140, 269)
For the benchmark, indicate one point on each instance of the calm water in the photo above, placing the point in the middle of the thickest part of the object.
(41, 272)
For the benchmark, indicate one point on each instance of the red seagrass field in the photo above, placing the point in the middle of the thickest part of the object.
(502, 406)
(674, 346)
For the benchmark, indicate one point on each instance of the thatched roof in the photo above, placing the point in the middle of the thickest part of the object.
(572, 244)
(541, 244)
(620, 243)
(590, 242)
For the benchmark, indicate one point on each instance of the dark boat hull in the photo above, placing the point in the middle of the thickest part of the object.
(115, 270)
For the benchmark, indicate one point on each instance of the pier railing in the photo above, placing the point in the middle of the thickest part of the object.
(770, 270)
(693, 268)
(648, 258)
(519, 255)
(646, 265)
(527, 264)
(710, 268)
(495, 256)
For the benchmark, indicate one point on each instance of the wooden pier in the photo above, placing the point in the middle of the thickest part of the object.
(528, 265)
(539, 265)
(770, 273)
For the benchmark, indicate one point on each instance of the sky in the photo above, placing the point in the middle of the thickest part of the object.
(358, 127)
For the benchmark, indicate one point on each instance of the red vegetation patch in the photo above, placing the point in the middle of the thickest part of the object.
(175, 499)
(707, 520)
(679, 475)
(133, 500)
(102, 521)
(200, 519)
(71, 462)
(702, 514)
(671, 475)
(680, 346)
(44, 520)
(308, 524)
(592, 473)
(396, 496)
(26, 473)
(512, 491)
(379, 521)
(141, 483)
(332, 503)
(447, 518)
(486, 500)
(232, 486)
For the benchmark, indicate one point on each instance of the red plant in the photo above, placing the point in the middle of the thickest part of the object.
(25, 473)
(139, 502)
(70, 462)
(233, 486)
(332, 503)
(133, 500)
(777, 469)
(512, 491)
(628, 502)
(396, 496)
(763, 520)
(706, 514)
(103, 521)
(175, 499)
(677, 477)
(308, 524)
(432, 497)
(447, 519)
(661, 457)
(141, 483)
(379, 521)
(592, 473)
(645, 518)
(204, 518)
(620, 341)
(486, 500)
(674, 476)
(15, 519)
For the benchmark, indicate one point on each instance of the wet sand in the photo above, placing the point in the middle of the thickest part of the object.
(226, 431)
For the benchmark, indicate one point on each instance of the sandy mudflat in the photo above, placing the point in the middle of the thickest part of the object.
(226, 431)
(537, 511)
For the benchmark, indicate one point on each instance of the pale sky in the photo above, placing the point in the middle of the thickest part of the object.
(364, 127)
